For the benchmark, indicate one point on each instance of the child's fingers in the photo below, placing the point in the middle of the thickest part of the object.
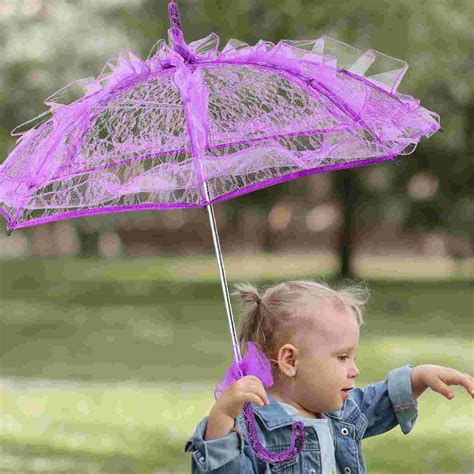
(437, 385)
(253, 378)
(461, 379)
(263, 395)
(248, 382)
(252, 397)
(464, 380)
(263, 398)
(261, 391)
(467, 381)
(253, 381)
(261, 401)
(254, 385)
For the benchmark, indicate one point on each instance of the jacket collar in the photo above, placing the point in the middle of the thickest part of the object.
(274, 415)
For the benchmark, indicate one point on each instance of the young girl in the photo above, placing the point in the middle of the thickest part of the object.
(310, 334)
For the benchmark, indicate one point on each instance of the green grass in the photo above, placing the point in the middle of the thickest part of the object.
(138, 427)
(143, 428)
(140, 350)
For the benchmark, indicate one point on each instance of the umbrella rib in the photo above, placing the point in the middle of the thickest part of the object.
(105, 210)
(277, 136)
(191, 102)
(144, 102)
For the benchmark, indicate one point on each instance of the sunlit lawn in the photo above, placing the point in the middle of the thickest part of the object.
(135, 363)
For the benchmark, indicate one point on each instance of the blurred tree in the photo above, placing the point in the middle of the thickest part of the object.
(346, 188)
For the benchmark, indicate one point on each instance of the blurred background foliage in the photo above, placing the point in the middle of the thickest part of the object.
(96, 354)
(48, 44)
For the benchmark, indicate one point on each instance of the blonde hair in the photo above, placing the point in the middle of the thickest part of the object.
(269, 317)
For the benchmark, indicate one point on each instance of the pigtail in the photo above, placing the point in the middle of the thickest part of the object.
(251, 323)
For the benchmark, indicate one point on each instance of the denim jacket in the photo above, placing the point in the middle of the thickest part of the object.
(367, 412)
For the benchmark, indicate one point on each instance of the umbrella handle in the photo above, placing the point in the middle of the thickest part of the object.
(288, 454)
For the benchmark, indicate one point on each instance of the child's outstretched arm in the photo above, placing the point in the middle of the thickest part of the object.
(394, 400)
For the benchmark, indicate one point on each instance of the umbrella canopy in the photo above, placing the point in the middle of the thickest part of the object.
(149, 134)
(193, 125)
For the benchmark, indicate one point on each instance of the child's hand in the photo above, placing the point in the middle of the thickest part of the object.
(248, 389)
(438, 378)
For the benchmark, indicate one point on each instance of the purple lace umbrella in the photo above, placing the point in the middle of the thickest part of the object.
(192, 126)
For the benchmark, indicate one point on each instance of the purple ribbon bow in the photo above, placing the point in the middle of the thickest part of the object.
(254, 362)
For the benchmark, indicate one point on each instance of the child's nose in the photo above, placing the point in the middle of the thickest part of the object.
(356, 371)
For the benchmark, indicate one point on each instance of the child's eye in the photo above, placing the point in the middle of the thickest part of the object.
(346, 357)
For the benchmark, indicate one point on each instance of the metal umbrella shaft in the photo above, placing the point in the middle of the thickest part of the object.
(225, 289)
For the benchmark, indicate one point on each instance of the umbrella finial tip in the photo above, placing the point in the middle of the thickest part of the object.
(173, 14)
(8, 232)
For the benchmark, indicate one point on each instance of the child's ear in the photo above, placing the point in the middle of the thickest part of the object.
(288, 356)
